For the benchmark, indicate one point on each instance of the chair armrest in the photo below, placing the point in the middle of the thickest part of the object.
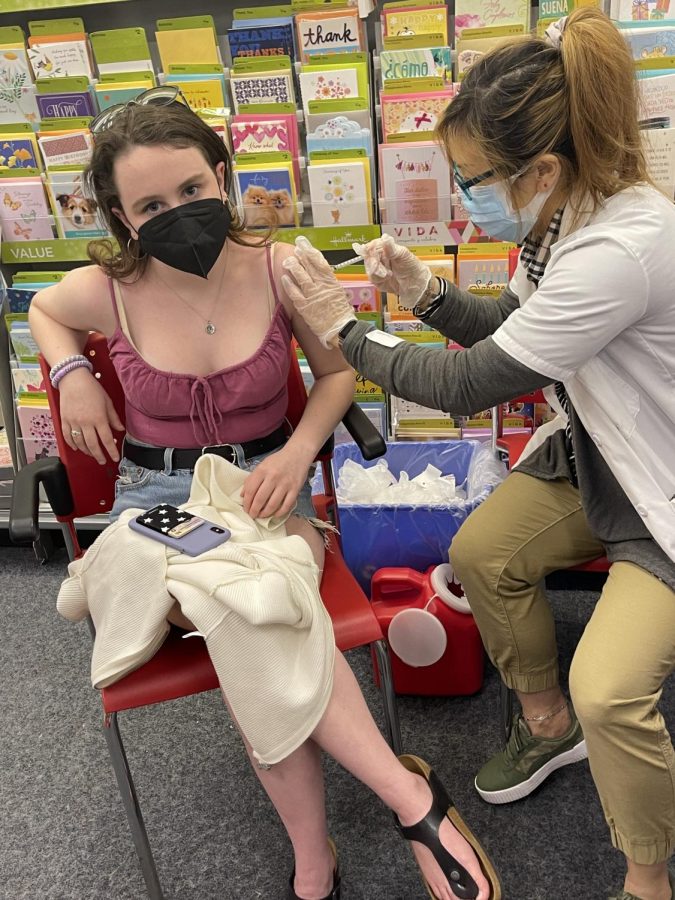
(24, 523)
(369, 440)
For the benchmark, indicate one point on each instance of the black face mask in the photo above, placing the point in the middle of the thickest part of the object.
(189, 237)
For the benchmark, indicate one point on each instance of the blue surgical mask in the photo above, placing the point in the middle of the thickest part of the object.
(489, 207)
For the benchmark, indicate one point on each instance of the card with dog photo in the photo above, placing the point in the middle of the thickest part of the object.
(76, 214)
(267, 195)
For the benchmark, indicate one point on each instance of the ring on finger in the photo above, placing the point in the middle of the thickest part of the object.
(75, 433)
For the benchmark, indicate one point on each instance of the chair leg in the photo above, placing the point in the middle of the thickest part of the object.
(388, 696)
(506, 708)
(131, 806)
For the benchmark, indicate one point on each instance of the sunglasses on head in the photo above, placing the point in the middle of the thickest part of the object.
(157, 96)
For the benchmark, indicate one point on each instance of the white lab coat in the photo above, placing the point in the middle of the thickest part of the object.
(602, 321)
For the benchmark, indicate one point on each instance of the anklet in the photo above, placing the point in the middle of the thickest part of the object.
(548, 715)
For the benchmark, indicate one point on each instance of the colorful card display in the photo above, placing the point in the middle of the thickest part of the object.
(412, 113)
(268, 87)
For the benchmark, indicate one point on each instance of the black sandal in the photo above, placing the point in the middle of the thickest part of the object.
(426, 832)
(335, 892)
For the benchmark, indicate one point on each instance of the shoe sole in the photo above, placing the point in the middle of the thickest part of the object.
(518, 791)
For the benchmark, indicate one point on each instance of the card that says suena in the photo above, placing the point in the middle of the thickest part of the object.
(412, 113)
(416, 183)
(328, 31)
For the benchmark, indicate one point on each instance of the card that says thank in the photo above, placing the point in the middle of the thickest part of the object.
(328, 32)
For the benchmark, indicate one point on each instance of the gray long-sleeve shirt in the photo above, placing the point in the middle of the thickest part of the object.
(483, 375)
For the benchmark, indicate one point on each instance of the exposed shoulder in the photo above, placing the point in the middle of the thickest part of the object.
(81, 300)
(280, 252)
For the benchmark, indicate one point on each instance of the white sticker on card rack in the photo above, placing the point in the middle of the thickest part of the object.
(386, 340)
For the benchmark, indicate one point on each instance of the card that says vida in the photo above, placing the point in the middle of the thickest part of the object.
(328, 32)
(270, 87)
(260, 137)
(411, 113)
(340, 193)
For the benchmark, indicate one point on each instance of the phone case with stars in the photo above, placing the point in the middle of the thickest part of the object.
(157, 522)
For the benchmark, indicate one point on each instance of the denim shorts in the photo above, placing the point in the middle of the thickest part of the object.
(140, 488)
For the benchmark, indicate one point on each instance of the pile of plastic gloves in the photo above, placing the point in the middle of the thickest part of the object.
(377, 486)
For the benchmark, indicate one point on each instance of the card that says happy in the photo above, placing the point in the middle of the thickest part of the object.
(329, 32)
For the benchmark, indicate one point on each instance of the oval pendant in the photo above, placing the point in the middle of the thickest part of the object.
(210, 328)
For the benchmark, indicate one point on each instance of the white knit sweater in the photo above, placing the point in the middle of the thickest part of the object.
(255, 599)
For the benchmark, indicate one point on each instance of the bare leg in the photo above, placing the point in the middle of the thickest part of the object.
(648, 882)
(347, 731)
(541, 703)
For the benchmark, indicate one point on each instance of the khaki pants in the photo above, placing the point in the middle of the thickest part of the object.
(527, 528)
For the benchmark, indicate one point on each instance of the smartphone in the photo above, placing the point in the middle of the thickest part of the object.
(180, 529)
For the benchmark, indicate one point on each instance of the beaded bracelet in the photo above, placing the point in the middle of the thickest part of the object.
(66, 366)
(64, 362)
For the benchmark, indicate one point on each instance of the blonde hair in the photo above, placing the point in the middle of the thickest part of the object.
(578, 100)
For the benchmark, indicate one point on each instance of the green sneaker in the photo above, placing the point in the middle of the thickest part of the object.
(527, 760)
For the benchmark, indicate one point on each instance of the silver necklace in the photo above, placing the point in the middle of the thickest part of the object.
(210, 328)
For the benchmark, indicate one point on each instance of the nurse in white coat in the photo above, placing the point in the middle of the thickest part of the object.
(546, 149)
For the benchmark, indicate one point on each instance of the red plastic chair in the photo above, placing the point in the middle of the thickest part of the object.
(510, 447)
(78, 486)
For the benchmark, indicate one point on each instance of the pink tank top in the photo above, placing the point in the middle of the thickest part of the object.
(239, 403)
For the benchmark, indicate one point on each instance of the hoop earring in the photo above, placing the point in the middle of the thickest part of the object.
(136, 256)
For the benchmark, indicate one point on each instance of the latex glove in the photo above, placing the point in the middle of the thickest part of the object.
(393, 268)
(316, 293)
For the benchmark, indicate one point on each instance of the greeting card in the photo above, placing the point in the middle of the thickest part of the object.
(415, 183)
(66, 105)
(60, 56)
(24, 212)
(329, 31)
(340, 193)
(200, 91)
(18, 103)
(268, 87)
(482, 274)
(363, 296)
(17, 153)
(22, 341)
(485, 13)
(410, 113)
(270, 40)
(267, 195)
(642, 10)
(37, 430)
(19, 300)
(66, 149)
(121, 50)
(108, 95)
(15, 70)
(332, 84)
(659, 148)
(28, 381)
(476, 43)
(340, 133)
(77, 214)
(651, 43)
(265, 136)
(657, 97)
(360, 116)
(435, 62)
(187, 45)
(416, 20)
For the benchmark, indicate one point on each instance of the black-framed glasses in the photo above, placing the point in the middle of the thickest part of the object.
(465, 184)
(164, 95)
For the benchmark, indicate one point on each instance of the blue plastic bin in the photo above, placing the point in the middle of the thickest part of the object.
(415, 536)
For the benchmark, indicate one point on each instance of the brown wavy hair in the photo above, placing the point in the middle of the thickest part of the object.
(174, 125)
(579, 101)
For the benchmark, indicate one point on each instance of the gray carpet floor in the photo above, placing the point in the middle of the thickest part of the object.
(63, 834)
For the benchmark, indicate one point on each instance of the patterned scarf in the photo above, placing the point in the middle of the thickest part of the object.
(535, 257)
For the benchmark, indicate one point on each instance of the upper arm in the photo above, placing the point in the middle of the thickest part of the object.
(321, 361)
(589, 295)
(81, 301)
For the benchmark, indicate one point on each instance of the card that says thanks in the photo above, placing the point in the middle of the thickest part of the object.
(416, 184)
(340, 193)
(270, 40)
(328, 31)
